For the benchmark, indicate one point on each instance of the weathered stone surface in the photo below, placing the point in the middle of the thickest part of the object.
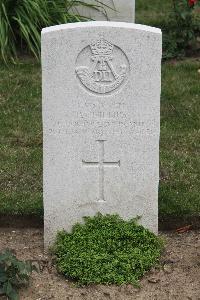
(114, 10)
(101, 117)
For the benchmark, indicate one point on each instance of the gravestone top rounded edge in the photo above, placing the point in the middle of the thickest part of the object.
(101, 24)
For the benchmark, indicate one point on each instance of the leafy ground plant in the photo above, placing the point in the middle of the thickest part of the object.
(13, 274)
(108, 250)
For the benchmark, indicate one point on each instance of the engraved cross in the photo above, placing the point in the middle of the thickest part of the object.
(101, 164)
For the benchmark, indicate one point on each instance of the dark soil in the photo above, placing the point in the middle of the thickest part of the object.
(32, 221)
(178, 277)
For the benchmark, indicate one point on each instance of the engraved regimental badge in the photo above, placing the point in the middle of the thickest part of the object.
(102, 67)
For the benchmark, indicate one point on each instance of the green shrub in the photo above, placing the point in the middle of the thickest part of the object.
(106, 249)
(185, 22)
(179, 21)
(21, 22)
(181, 29)
(13, 274)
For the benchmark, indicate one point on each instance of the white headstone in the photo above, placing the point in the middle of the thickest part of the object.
(101, 117)
(112, 10)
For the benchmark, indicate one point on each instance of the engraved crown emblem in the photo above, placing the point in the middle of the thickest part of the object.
(102, 48)
(106, 69)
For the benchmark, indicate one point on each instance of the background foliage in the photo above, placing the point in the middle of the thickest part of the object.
(21, 22)
(179, 21)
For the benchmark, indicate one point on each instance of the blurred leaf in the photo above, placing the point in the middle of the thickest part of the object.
(13, 273)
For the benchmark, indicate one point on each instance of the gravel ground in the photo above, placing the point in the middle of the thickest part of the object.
(177, 278)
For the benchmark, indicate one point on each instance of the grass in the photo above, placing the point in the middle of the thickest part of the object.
(21, 139)
(152, 12)
(180, 139)
(21, 132)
